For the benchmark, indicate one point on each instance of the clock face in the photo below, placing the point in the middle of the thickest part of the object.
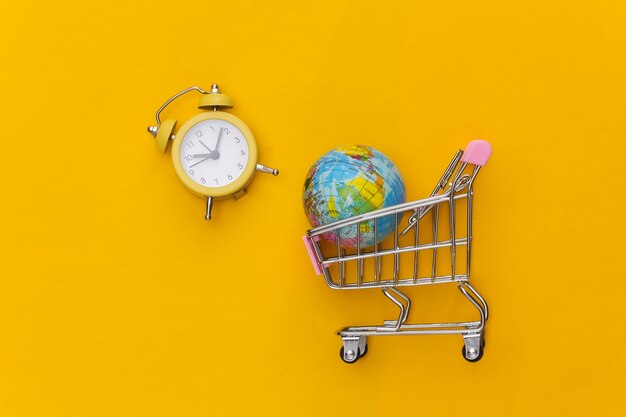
(214, 153)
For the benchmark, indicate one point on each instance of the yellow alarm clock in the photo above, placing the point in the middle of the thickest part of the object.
(214, 153)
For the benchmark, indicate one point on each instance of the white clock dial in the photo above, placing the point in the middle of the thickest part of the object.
(214, 153)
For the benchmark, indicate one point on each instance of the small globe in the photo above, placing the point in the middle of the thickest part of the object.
(348, 181)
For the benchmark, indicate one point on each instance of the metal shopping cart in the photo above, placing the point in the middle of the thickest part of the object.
(433, 246)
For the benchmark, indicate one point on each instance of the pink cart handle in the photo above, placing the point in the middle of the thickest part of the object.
(308, 243)
(477, 152)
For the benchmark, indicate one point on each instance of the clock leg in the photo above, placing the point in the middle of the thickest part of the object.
(267, 170)
(209, 207)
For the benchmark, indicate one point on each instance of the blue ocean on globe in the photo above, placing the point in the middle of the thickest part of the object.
(348, 181)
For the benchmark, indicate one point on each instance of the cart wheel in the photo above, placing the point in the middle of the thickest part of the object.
(351, 358)
(476, 359)
(364, 352)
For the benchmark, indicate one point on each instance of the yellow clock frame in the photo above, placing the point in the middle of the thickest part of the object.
(234, 187)
(211, 101)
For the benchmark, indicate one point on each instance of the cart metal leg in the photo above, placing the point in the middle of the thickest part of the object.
(354, 339)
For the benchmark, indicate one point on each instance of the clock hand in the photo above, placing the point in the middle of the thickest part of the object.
(217, 145)
(199, 162)
(212, 155)
(202, 143)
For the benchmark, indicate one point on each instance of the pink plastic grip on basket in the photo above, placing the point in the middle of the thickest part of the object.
(477, 152)
(308, 243)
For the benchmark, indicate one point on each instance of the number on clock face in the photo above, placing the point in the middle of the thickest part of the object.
(214, 153)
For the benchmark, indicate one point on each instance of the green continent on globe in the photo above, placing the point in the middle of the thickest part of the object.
(349, 181)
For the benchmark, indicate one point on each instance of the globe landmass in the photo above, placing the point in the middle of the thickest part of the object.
(349, 181)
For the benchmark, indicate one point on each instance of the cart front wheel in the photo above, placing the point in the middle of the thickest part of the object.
(476, 359)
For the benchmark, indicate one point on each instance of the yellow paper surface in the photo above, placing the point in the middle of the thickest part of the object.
(118, 299)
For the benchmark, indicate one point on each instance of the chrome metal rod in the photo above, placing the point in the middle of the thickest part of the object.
(380, 253)
(403, 282)
(400, 306)
(475, 303)
(416, 253)
(435, 246)
(209, 208)
(381, 213)
(396, 246)
(174, 97)
(480, 298)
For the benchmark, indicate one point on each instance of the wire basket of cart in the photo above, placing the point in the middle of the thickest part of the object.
(431, 244)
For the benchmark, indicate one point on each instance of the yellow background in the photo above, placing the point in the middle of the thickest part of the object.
(118, 299)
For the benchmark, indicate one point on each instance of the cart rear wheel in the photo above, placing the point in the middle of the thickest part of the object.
(364, 352)
(352, 356)
(480, 354)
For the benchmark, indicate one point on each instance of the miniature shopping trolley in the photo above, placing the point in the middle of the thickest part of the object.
(431, 243)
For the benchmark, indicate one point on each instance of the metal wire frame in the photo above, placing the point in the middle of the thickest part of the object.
(445, 194)
(455, 186)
